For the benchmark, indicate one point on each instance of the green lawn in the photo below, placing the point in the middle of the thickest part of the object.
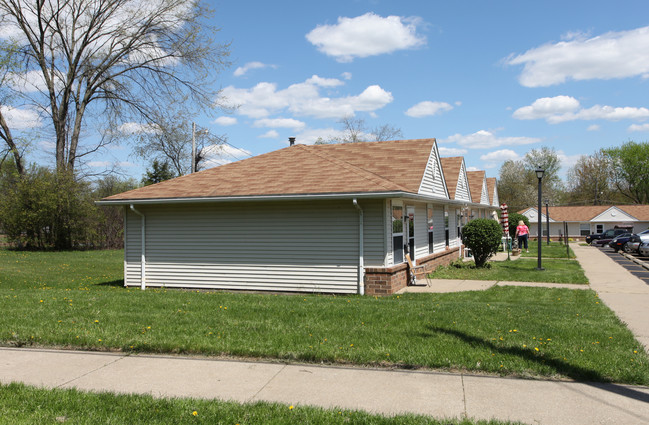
(520, 270)
(20, 404)
(554, 250)
(76, 300)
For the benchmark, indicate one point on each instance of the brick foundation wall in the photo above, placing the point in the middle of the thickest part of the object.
(432, 261)
(388, 280)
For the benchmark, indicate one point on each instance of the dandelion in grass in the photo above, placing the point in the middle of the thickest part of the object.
(194, 413)
(291, 407)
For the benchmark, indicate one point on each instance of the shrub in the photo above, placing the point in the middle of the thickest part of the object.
(514, 218)
(482, 236)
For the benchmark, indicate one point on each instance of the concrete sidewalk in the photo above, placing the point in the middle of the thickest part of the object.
(375, 390)
(442, 395)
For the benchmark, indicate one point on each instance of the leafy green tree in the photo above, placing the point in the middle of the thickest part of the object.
(630, 170)
(589, 181)
(514, 187)
(46, 209)
(483, 237)
(160, 171)
(551, 184)
(109, 220)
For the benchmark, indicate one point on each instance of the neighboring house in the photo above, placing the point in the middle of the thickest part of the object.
(324, 218)
(584, 220)
(492, 190)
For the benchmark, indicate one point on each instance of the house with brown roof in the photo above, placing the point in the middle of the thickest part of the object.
(585, 220)
(479, 194)
(457, 184)
(323, 218)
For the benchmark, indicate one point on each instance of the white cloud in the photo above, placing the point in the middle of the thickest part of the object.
(138, 128)
(304, 99)
(366, 35)
(270, 134)
(20, 118)
(565, 108)
(451, 151)
(242, 70)
(346, 75)
(567, 161)
(280, 123)
(639, 127)
(484, 139)
(428, 109)
(107, 164)
(225, 121)
(473, 169)
(546, 107)
(311, 135)
(611, 55)
(495, 158)
(593, 127)
(30, 82)
(223, 154)
(47, 145)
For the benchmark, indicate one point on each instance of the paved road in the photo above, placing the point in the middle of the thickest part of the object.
(636, 269)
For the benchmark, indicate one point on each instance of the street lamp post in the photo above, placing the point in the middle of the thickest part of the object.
(539, 175)
(547, 219)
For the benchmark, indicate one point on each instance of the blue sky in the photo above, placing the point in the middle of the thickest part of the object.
(490, 80)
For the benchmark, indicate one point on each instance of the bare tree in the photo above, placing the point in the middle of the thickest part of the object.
(170, 140)
(354, 130)
(8, 65)
(111, 61)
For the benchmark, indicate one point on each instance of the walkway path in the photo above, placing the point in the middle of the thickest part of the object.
(376, 390)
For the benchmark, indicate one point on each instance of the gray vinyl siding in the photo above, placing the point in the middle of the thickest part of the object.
(439, 236)
(373, 232)
(132, 248)
(282, 246)
(421, 231)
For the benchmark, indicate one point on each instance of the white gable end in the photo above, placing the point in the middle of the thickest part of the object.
(433, 183)
(484, 196)
(495, 201)
(462, 189)
(613, 214)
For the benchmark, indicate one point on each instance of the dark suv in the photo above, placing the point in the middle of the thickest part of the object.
(609, 234)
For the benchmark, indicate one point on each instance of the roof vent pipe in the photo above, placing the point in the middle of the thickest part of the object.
(291, 141)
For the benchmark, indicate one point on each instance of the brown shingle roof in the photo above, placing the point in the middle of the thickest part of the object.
(303, 170)
(452, 167)
(476, 180)
(491, 189)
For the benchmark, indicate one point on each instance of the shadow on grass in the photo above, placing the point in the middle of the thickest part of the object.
(113, 283)
(583, 375)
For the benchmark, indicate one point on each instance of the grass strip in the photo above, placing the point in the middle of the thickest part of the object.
(554, 250)
(521, 270)
(20, 404)
(75, 300)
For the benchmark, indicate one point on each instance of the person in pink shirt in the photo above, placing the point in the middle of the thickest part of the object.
(523, 233)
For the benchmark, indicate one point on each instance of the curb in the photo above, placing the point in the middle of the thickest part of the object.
(635, 260)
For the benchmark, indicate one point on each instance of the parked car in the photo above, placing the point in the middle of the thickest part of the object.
(633, 246)
(618, 242)
(609, 234)
(644, 249)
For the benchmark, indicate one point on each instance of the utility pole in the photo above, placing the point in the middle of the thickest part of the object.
(193, 168)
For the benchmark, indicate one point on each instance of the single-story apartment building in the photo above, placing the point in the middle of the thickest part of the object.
(585, 220)
(323, 218)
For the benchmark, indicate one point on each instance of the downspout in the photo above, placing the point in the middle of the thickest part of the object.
(361, 267)
(143, 260)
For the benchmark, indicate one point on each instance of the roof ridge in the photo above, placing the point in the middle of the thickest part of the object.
(356, 169)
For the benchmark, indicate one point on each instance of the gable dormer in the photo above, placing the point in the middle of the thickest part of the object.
(478, 187)
(454, 171)
(433, 182)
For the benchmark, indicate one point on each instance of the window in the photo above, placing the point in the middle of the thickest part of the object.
(584, 229)
(429, 224)
(446, 225)
(600, 228)
(397, 233)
